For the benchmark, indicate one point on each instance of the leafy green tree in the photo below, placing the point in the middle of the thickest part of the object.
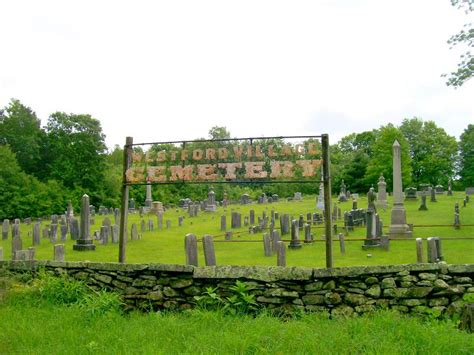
(466, 148)
(218, 132)
(433, 152)
(20, 129)
(381, 161)
(22, 195)
(465, 37)
(350, 158)
(77, 153)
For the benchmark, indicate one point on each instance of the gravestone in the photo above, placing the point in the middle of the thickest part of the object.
(17, 244)
(228, 235)
(16, 230)
(410, 194)
(295, 242)
(267, 245)
(398, 223)
(114, 232)
(382, 193)
(134, 232)
(160, 220)
(84, 242)
(148, 197)
(439, 189)
(275, 236)
(320, 199)
(151, 225)
(36, 234)
(275, 197)
(74, 230)
(297, 196)
(53, 233)
(434, 250)
(59, 252)
(190, 247)
(180, 221)
(433, 195)
(285, 224)
(211, 202)
(281, 254)
(246, 220)
(143, 226)
(419, 250)
(104, 234)
(236, 220)
(63, 231)
(245, 199)
(342, 194)
(208, 249)
(469, 190)
(423, 203)
(117, 216)
(252, 217)
(371, 231)
(69, 211)
(168, 224)
(157, 207)
(308, 238)
(223, 223)
(5, 228)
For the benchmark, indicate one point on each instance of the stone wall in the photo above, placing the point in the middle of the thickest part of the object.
(417, 288)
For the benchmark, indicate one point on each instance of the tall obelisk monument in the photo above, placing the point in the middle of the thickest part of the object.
(398, 221)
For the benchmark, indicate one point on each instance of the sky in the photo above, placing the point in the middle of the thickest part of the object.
(171, 70)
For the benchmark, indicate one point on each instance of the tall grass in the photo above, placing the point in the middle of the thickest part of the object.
(62, 316)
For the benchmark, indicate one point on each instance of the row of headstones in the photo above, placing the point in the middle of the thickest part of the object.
(435, 253)
(29, 254)
(354, 218)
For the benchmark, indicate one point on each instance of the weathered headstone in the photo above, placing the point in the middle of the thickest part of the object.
(104, 234)
(275, 239)
(211, 201)
(410, 194)
(74, 230)
(157, 207)
(419, 250)
(180, 221)
(190, 247)
(36, 234)
(209, 252)
(134, 232)
(160, 220)
(5, 228)
(423, 203)
(281, 253)
(114, 233)
(439, 189)
(342, 194)
(245, 199)
(295, 242)
(142, 226)
(59, 252)
(17, 244)
(432, 250)
(433, 195)
(63, 231)
(84, 242)
(267, 245)
(382, 192)
(342, 246)
(285, 224)
(308, 238)
(223, 223)
(53, 233)
(297, 196)
(252, 217)
(228, 235)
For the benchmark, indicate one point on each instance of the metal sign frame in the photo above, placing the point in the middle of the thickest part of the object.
(326, 180)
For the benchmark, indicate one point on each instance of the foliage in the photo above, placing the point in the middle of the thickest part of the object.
(381, 161)
(240, 302)
(433, 152)
(20, 129)
(76, 152)
(466, 149)
(465, 69)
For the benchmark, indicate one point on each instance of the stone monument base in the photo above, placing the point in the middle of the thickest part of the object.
(83, 245)
(400, 231)
(211, 208)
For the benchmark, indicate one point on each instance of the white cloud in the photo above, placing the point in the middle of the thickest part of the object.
(160, 70)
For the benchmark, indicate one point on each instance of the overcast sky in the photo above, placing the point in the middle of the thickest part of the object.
(170, 70)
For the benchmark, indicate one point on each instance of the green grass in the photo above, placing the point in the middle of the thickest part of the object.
(167, 246)
(69, 330)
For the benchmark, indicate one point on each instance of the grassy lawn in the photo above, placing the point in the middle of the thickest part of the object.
(52, 329)
(167, 245)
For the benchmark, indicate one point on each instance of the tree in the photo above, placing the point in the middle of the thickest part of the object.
(465, 69)
(20, 129)
(217, 132)
(433, 152)
(352, 156)
(466, 149)
(381, 161)
(76, 151)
